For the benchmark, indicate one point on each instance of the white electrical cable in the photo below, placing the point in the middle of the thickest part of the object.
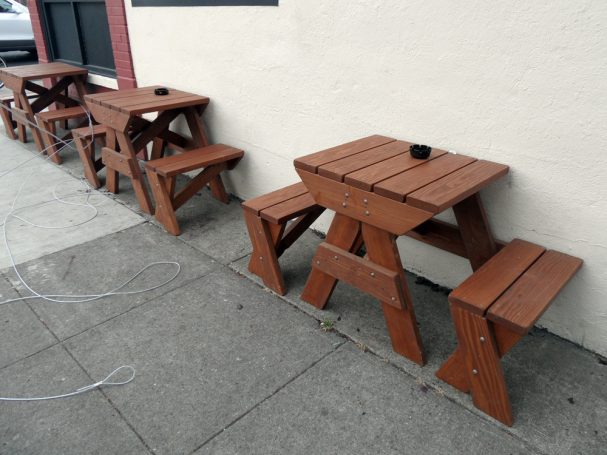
(2, 65)
(69, 298)
(103, 382)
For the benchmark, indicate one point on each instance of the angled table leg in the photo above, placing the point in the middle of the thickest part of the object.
(126, 147)
(25, 105)
(474, 228)
(21, 131)
(400, 319)
(164, 205)
(112, 177)
(344, 233)
(7, 119)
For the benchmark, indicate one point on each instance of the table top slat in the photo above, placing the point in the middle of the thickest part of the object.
(399, 186)
(125, 100)
(457, 186)
(166, 105)
(312, 162)
(366, 178)
(43, 70)
(142, 100)
(337, 170)
(135, 102)
(117, 94)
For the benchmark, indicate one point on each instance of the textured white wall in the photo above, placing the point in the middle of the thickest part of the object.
(522, 83)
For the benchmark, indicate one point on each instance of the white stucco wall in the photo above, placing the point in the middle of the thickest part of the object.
(519, 82)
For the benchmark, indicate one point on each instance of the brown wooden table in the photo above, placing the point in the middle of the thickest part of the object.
(20, 79)
(128, 133)
(379, 191)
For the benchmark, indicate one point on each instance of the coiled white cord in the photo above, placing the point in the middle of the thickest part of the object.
(69, 298)
(104, 382)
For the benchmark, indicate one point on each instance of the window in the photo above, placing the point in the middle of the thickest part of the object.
(204, 2)
(78, 33)
(5, 7)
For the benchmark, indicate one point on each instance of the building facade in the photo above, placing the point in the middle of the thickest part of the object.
(521, 83)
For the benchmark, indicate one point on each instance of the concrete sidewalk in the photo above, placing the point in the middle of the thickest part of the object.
(225, 366)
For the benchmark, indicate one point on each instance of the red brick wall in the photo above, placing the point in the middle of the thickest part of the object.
(119, 33)
(38, 33)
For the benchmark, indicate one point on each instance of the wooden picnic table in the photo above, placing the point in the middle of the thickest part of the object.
(20, 79)
(379, 192)
(129, 133)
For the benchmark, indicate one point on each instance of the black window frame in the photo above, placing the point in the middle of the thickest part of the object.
(51, 40)
(136, 3)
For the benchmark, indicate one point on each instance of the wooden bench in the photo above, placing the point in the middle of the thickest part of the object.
(163, 172)
(85, 139)
(492, 310)
(47, 120)
(6, 103)
(267, 217)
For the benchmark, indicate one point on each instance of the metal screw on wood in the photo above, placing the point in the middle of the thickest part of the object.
(261, 258)
(482, 339)
(475, 371)
(394, 299)
(343, 204)
(347, 195)
(365, 201)
(336, 258)
(366, 213)
(317, 262)
(373, 274)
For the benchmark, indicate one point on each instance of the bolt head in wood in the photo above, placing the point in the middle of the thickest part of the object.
(317, 262)
(482, 339)
(366, 213)
(343, 204)
(347, 194)
(475, 371)
(372, 273)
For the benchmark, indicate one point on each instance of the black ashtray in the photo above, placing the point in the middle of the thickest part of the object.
(161, 91)
(420, 151)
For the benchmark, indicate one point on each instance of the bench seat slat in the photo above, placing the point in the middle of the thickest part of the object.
(527, 299)
(194, 159)
(256, 205)
(289, 209)
(98, 130)
(480, 290)
(62, 114)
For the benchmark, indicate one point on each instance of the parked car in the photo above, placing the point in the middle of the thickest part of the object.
(15, 27)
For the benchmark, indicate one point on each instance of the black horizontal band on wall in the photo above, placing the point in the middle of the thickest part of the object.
(204, 2)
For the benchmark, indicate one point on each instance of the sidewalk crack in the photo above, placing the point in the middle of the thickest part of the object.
(281, 387)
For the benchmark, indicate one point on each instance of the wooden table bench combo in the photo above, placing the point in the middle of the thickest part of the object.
(28, 111)
(380, 191)
(127, 133)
